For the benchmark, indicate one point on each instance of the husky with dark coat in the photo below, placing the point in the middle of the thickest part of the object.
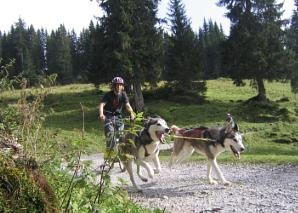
(209, 142)
(144, 147)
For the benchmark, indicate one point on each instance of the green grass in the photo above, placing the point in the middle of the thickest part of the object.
(270, 130)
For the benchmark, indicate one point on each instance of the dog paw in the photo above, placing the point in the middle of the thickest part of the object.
(144, 179)
(227, 183)
(213, 182)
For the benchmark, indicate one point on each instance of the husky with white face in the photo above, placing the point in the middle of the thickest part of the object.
(145, 148)
(209, 142)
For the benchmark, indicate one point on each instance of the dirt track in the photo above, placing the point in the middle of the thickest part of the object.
(255, 188)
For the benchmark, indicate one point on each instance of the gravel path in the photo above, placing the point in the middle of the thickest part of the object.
(184, 188)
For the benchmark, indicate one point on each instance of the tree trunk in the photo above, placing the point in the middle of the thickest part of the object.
(261, 90)
(138, 97)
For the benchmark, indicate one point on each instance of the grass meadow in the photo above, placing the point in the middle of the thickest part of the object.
(270, 129)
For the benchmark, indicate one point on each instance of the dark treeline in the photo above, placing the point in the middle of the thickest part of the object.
(128, 40)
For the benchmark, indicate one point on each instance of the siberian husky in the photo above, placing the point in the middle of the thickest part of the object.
(209, 142)
(143, 149)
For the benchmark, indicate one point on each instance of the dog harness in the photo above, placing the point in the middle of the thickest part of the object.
(201, 133)
(142, 139)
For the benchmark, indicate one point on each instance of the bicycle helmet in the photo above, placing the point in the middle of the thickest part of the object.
(117, 80)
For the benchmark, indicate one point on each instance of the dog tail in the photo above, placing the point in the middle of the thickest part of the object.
(175, 129)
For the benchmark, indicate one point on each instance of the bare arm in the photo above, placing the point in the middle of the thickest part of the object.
(130, 111)
(100, 108)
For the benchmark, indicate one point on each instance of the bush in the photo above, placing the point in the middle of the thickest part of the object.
(20, 189)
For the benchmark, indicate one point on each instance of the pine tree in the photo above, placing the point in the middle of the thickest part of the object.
(292, 36)
(211, 39)
(7, 50)
(26, 48)
(35, 56)
(132, 46)
(96, 71)
(182, 63)
(59, 55)
(23, 45)
(19, 46)
(42, 36)
(255, 46)
(1, 46)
